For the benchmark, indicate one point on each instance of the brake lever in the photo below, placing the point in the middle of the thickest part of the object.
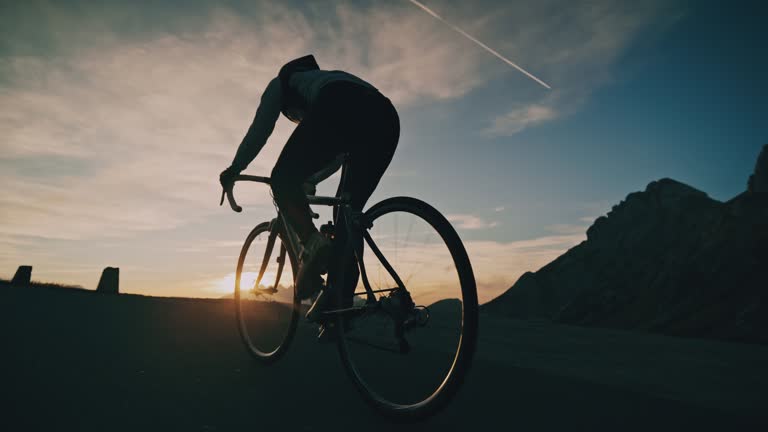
(231, 198)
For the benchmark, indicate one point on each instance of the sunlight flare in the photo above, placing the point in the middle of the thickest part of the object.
(226, 285)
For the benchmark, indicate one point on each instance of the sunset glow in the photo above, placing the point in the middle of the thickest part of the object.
(226, 285)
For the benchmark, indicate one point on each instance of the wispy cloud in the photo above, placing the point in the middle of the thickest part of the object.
(567, 228)
(574, 45)
(228, 244)
(520, 118)
(470, 222)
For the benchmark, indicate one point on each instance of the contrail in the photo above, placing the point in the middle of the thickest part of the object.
(482, 45)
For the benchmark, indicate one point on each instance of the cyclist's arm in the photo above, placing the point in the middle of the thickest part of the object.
(262, 126)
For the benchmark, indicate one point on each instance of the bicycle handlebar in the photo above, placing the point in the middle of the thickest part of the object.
(309, 189)
(229, 192)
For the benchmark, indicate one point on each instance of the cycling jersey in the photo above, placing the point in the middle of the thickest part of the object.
(294, 100)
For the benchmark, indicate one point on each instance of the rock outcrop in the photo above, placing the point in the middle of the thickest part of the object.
(109, 283)
(758, 182)
(668, 259)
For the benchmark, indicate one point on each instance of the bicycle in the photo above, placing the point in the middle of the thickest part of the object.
(368, 327)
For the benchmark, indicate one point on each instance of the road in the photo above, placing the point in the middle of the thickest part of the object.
(81, 361)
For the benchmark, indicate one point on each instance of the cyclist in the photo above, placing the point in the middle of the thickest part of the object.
(336, 113)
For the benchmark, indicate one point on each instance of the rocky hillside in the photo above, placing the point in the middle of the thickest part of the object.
(669, 259)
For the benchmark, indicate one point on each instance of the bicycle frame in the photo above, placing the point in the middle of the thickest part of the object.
(354, 226)
(337, 317)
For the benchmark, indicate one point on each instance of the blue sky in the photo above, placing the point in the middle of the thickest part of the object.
(116, 119)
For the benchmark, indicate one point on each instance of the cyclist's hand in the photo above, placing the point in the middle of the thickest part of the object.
(227, 177)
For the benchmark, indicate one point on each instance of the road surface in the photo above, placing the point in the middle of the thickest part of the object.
(81, 361)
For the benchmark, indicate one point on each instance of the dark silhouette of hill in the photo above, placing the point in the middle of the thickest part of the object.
(445, 310)
(449, 305)
(668, 259)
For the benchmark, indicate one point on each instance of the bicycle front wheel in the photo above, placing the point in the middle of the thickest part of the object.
(266, 305)
(408, 352)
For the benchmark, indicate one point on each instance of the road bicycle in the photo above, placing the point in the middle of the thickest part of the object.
(406, 333)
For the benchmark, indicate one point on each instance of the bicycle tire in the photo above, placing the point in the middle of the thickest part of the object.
(272, 356)
(470, 317)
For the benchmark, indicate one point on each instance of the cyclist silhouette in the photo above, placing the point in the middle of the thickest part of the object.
(337, 113)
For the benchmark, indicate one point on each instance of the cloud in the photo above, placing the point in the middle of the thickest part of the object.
(567, 228)
(520, 118)
(146, 123)
(149, 118)
(573, 46)
(470, 222)
(412, 59)
(228, 244)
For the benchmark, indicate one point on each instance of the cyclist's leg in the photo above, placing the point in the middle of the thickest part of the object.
(310, 148)
(371, 147)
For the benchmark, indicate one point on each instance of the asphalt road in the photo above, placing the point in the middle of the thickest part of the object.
(81, 361)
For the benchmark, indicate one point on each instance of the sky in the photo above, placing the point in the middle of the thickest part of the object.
(117, 117)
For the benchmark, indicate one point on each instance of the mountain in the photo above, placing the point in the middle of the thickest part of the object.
(669, 259)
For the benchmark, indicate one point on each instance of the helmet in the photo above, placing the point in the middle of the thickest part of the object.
(294, 105)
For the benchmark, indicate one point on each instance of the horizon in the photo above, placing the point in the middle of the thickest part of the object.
(116, 121)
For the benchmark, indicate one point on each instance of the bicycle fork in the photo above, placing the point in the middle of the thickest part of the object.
(273, 233)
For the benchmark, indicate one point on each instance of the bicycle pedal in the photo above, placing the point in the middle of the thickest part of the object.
(327, 334)
(265, 291)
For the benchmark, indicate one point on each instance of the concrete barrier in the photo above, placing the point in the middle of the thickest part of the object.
(23, 276)
(109, 283)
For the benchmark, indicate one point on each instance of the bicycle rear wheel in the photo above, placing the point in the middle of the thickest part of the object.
(266, 305)
(414, 376)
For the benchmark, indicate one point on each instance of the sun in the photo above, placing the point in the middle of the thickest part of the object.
(226, 284)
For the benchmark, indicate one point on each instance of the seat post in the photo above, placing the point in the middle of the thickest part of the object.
(345, 164)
